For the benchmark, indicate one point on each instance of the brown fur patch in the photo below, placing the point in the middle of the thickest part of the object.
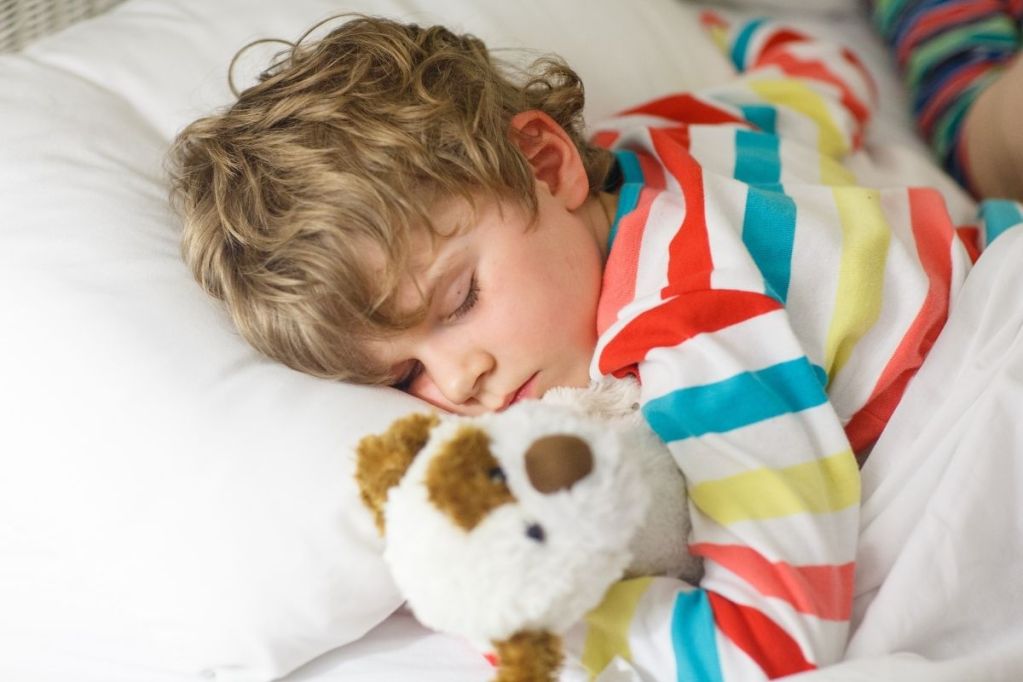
(529, 656)
(461, 480)
(382, 460)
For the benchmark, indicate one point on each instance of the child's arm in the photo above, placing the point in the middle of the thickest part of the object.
(819, 92)
(774, 492)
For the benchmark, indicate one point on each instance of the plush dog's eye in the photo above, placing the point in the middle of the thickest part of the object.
(534, 531)
(496, 475)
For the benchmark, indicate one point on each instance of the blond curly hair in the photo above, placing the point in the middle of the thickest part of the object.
(338, 154)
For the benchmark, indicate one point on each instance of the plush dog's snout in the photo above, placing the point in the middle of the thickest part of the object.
(558, 462)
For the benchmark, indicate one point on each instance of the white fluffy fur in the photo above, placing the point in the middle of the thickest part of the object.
(628, 515)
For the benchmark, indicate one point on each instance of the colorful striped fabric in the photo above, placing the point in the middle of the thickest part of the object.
(949, 51)
(774, 312)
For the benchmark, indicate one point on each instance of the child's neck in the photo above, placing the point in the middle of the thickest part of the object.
(599, 213)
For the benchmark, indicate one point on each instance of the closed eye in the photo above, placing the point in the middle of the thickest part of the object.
(470, 300)
(410, 375)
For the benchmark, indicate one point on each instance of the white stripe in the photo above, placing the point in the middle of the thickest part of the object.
(784, 441)
(631, 122)
(713, 146)
(816, 254)
(736, 664)
(800, 539)
(800, 163)
(709, 357)
(725, 207)
(667, 211)
(961, 266)
(649, 634)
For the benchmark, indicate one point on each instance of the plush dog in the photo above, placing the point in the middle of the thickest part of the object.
(508, 528)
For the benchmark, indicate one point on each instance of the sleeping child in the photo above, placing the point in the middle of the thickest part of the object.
(391, 205)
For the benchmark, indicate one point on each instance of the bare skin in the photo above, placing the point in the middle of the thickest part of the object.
(994, 137)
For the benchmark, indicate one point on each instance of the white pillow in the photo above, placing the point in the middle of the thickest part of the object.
(172, 505)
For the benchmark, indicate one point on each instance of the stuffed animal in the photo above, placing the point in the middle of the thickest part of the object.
(507, 528)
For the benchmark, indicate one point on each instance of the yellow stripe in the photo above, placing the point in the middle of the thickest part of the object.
(865, 238)
(816, 487)
(797, 96)
(834, 173)
(720, 37)
(607, 631)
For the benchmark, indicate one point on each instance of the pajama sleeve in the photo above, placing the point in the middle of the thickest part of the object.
(774, 497)
(791, 85)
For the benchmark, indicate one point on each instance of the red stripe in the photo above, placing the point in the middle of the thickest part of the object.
(779, 40)
(941, 18)
(619, 285)
(686, 108)
(970, 237)
(710, 19)
(653, 173)
(818, 71)
(825, 591)
(761, 638)
(679, 318)
(933, 233)
(606, 138)
(689, 252)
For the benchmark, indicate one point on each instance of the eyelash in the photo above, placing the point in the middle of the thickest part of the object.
(471, 297)
(409, 376)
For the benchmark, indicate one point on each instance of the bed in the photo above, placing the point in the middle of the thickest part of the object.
(175, 508)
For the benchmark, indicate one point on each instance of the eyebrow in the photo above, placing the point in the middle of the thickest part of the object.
(439, 273)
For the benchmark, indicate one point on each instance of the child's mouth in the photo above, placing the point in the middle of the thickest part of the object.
(525, 391)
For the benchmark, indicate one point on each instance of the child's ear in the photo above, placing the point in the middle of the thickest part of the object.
(553, 156)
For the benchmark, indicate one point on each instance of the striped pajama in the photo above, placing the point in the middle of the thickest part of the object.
(774, 312)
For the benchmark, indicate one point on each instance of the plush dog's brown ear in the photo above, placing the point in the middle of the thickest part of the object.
(529, 656)
(383, 459)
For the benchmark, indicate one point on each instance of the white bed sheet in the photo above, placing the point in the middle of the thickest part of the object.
(943, 507)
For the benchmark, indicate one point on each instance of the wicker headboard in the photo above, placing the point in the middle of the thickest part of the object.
(22, 21)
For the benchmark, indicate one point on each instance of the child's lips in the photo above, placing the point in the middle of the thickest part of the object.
(526, 391)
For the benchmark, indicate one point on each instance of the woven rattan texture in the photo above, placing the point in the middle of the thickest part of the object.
(22, 21)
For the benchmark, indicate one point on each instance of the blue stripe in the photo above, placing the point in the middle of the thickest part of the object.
(763, 116)
(693, 639)
(757, 160)
(741, 43)
(741, 400)
(628, 195)
(998, 215)
(768, 231)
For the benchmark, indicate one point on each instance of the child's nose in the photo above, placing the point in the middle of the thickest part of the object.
(459, 375)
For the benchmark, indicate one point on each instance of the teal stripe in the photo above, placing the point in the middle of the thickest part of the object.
(998, 215)
(763, 116)
(757, 159)
(693, 639)
(629, 163)
(628, 195)
(741, 43)
(744, 399)
(768, 231)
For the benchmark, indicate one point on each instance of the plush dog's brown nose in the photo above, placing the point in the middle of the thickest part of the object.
(558, 462)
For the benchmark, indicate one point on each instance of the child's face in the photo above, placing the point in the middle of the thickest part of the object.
(514, 307)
